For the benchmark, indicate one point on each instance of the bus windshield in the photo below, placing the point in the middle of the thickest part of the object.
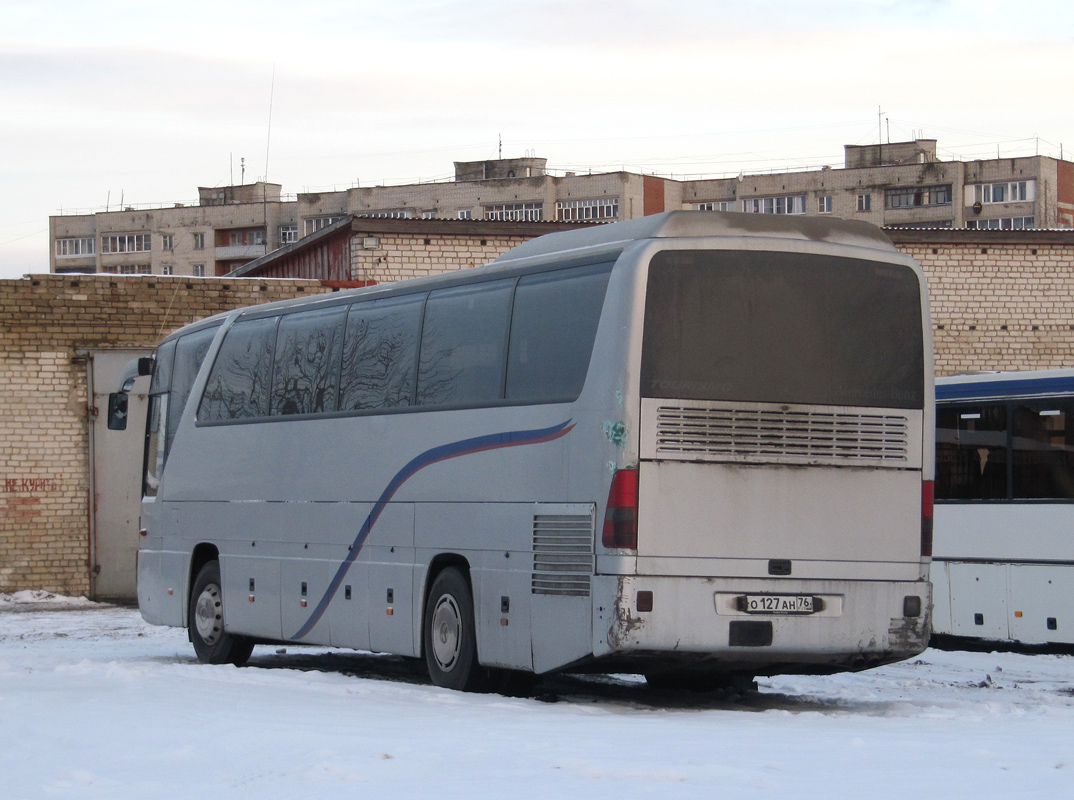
(777, 327)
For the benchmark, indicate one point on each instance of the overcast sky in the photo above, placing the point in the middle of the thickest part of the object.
(111, 99)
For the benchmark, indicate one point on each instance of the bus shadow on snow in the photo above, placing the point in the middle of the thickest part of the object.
(629, 690)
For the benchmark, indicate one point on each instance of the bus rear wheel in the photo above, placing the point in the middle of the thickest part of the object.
(450, 635)
(212, 643)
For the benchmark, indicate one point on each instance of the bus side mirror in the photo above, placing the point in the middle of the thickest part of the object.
(117, 411)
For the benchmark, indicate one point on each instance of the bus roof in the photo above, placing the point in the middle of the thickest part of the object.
(1003, 385)
(706, 224)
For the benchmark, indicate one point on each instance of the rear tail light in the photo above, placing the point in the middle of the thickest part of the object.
(927, 495)
(621, 518)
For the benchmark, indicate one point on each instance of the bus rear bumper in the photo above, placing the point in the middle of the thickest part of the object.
(722, 624)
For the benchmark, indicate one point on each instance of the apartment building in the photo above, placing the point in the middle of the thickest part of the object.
(894, 185)
(230, 226)
(905, 185)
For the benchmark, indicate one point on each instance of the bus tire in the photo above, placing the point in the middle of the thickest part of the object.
(212, 643)
(450, 637)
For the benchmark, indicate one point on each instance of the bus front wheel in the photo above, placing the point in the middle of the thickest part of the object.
(450, 637)
(212, 643)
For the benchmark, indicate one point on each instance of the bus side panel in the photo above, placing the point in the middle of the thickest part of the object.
(304, 578)
(1004, 531)
(978, 600)
(389, 588)
(941, 597)
(251, 586)
(495, 540)
(502, 604)
(162, 587)
(1042, 603)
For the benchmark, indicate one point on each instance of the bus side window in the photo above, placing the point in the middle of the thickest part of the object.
(156, 437)
(553, 326)
(1042, 462)
(463, 343)
(305, 375)
(380, 353)
(189, 355)
(238, 385)
(971, 453)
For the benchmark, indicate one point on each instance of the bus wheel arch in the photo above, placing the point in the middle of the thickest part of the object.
(449, 632)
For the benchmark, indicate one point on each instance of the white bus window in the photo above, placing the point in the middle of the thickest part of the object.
(1042, 460)
(380, 352)
(971, 453)
(238, 385)
(463, 342)
(552, 329)
(782, 327)
(305, 375)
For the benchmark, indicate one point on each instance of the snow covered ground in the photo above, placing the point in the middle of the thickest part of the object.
(95, 703)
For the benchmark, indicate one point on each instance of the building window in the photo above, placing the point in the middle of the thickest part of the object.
(429, 213)
(167, 241)
(714, 205)
(199, 241)
(72, 248)
(288, 234)
(865, 202)
(1002, 223)
(167, 269)
(824, 204)
(465, 213)
(314, 224)
(792, 204)
(391, 213)
(130, 269)
(515, 212)
(257, 237)
(917, 196)
(126, 243)
(199, 270)
(603, 208)
(234, 238)
(1009, 192)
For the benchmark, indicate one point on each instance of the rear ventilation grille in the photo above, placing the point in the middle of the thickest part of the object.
(562, 554)
(767, 435)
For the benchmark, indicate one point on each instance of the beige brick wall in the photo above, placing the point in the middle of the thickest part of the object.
(1000, 307)
(44, 444)
(403, 256)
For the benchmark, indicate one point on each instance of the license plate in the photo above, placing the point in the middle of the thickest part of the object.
(778, 604)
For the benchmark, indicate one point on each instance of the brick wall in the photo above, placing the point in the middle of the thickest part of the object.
(999, 306)
(44, 444)
(402, 256)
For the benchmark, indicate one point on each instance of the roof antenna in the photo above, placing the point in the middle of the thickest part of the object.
(268, 137)
(500, 157)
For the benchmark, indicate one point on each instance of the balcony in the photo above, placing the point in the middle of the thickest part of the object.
(239, 251)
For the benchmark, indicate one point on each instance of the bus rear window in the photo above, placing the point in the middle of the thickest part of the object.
(782, 328)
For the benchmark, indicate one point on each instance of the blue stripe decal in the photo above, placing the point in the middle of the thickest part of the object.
(466, 447)
(1002, 389)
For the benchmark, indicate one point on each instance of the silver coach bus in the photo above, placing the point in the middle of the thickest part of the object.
(696, 446)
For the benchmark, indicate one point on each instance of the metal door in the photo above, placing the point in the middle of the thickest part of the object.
(115, 477)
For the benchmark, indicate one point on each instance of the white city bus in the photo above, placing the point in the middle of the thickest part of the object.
(695, 446)
(1004, 561)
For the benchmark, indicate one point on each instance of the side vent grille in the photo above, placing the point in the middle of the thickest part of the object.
(562, 554)
(728, 434)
